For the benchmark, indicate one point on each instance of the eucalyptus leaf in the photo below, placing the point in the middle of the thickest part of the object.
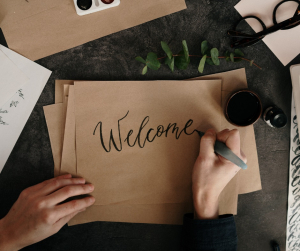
(170, 63)
(204, 47)
(140, 59)
(180, 61)
(232, 57)
(167, 61)
(239, 53)
(185, 50)
(209, 61)
(202, 64)
(166, 49)
(215, 56)
(152, 61)
(145, 69)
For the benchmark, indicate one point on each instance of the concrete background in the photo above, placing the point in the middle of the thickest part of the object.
(261, 215)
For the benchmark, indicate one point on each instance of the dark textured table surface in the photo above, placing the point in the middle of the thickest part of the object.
(261, 215)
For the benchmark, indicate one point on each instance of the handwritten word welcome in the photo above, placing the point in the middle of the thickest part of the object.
(151, 135)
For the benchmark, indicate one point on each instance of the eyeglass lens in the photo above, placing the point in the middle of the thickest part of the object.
(285, 10)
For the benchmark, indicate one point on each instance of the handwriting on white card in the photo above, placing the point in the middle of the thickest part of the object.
(293, 218)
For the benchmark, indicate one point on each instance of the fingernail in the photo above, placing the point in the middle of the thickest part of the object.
(82, 210)
(81, 181)
(90, 187)
(91, 200)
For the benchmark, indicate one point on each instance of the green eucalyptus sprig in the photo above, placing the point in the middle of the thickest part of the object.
(182, 59)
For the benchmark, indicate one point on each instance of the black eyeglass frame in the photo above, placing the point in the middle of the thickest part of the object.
(242, 40)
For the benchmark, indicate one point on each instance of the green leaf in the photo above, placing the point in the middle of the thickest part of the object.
(251, 62)
(228, 59)
(166, 49)
(202, 64)
(238, 60)
(145, 70)
(215, 56)
(140, 59)
(209, 61)
(167, 61)
(232, 57)
(180, 61)
(227, 54)
(204, 47)
(152, 61)
(170, 63)
(185, 50)
(239, 53)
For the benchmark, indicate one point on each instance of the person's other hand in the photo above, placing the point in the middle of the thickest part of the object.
(211, 172)
(39, 212)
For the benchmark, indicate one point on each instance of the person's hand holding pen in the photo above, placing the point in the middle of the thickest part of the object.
(212, 172)
(41, 211)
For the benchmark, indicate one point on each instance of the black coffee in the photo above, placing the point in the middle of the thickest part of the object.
(243, 109)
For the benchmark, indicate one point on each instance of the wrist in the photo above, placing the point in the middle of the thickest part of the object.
(206, 205)
(6, 242)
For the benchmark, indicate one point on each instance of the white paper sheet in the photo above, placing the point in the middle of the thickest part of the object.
(295, 76)
(293, 214)
(11, 78)
(284, 44)
(15, 113)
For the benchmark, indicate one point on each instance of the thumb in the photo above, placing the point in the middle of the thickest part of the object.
(207, 144)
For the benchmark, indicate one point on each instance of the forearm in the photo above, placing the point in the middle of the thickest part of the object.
(6, 242)
(206, 205)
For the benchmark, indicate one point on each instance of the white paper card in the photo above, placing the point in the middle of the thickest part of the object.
(11, 78)
(284, 44)
(15, 113)
(295, 75)
(293, 214)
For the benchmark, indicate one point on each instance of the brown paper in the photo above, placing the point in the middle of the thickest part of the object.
(232, 80)
(154, 214)
(148, 172)
(161, 213)
(54, 118)
(60, 91)
(36, 29)
(68, 161)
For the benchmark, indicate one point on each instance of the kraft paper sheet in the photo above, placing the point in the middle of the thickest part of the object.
(164, 213)
(232, 81)
(37, 29)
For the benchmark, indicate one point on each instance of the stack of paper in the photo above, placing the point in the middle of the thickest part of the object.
(21, 83)
(134, 141)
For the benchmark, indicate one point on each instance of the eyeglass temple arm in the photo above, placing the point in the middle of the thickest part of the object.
(234, 33)
(244, 42)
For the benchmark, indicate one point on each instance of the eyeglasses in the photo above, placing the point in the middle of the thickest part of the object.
(240, 39)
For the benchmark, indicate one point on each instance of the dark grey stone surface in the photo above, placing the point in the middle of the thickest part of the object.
(261, 215)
